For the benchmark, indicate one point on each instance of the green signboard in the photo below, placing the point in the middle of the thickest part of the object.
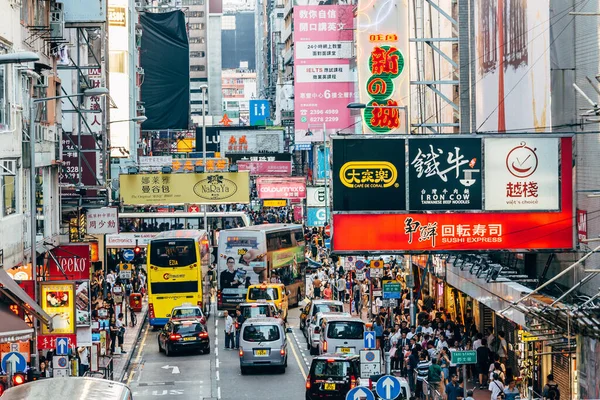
(464, 357)
(391, 289)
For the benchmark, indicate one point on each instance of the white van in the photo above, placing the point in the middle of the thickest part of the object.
(343, 335)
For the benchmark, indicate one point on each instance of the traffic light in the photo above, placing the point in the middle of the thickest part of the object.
(18, 378)
(137, 250)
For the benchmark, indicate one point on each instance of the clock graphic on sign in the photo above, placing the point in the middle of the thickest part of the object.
(522, 161)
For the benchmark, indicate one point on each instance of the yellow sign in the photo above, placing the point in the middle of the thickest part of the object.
(117, 16)
(275, 203)
(368, 174)
(188, 164)
(58, 301)
(527, 337)
(207, 188)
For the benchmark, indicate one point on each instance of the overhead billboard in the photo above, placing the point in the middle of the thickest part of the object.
(369, 174)
(281, 188)
(242, 141)
(324, 82)
(512, 65)
(206, 188)
(266, 168)
(383, 64)
(510, 218)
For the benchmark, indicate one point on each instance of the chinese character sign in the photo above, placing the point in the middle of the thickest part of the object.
(445, 174)
(521, 174)
(102, 221)
(324, 83)
(382, 41)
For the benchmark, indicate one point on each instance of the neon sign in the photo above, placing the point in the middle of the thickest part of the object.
(385, 64)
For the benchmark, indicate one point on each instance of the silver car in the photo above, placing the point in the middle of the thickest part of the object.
(263, 343)
(314, 329)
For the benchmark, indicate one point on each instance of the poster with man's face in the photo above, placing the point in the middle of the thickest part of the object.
(242, 262)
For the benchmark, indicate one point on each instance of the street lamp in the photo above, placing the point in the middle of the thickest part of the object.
(355, 106)
(16, 58)
(139, 120)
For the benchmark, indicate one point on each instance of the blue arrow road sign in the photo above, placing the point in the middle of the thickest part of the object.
(259, 112)
(360, 393)
(19, 364)
(388, 387)
(128, 255)
(369, 339)
(62, 346)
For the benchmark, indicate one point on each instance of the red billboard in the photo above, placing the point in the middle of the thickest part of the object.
(266, 168)
(462, 231)
(74, 260)
(281, 188)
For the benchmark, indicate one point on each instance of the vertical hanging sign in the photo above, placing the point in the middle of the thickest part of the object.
(383, 64)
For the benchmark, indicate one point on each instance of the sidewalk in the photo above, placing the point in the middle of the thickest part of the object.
(132, 334)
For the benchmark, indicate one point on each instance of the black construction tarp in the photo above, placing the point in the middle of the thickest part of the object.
(165, 57)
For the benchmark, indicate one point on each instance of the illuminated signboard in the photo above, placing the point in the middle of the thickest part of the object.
(383, 66)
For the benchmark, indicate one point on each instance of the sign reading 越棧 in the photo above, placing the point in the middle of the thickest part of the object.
(445, 174)
(209, 188)
(102, 221)
(368, 174)
(521, 174)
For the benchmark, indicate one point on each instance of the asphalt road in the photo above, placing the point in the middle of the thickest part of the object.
(215, 376)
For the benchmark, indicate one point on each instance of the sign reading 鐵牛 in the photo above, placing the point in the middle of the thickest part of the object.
(445, 174)
(368, 174)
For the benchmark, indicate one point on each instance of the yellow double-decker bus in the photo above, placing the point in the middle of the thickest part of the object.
(177, 261)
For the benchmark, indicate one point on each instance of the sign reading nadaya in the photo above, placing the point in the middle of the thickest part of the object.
(369, 174)
(209, 188)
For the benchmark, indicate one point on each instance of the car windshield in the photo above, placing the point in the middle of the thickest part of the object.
(345, 330)
(328, 308)
(330, 369)
(261, 333)
(187, 313)
(253, 312)
(188, 328)
(172, 252)
(263, 294)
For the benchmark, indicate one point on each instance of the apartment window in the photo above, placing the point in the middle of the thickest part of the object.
(279, 15)
(228, 22)
(193, 2)
(197, 54)
(197, 40)
(117, 61)
(9, 195)
(197, 26)
(197, 68)
(196, 14)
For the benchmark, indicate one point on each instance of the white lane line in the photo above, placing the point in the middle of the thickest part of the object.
(217, 363)
(216, 351)
(216, 341)
(216, 322)
(219, 393)
(217, 375)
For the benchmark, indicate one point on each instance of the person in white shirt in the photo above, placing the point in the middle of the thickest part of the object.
(477, 342)
(229, 329)
(84, 360)
(427, 329)
(496, 387)
(412, 332)
(442, 342)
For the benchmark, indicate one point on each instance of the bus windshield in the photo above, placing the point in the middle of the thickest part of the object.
(172, 253)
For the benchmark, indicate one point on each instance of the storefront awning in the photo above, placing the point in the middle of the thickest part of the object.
(13, 328)
(13, 291)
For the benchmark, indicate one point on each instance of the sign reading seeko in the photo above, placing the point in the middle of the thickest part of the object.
(368, 174)
(58, 301)
(215, 188)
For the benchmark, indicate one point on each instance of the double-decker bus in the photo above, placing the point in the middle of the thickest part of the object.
(260, 254)
(177, 261)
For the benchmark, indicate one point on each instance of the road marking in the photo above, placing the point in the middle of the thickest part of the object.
(217, 375)
(139, 356)
(297, 359)
(219, 392)
(217, 362)
(216, 341)
(216, 351)
(216, 332)
(216, 323)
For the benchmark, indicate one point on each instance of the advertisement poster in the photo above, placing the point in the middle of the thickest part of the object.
(324, 84)
(281, 188)
(58, 301)
(521, 174)
(207, 188)
(445, 174)
(317, 216)
(82, 303)
(266, 168)
(242, 262)
(369, 174)
(251, 141)
(102, 221)
(73, 262)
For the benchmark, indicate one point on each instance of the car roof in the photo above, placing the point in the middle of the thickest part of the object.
(266, 285)
(257, 303)
(322, 301)
(186, 306)
(336, 356)
(186, 321)
(322, 314)
(344, 318)
(264, 321)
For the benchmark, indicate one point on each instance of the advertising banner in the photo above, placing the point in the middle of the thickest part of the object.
(315, 197)
(58, 301)
(71, 172)
(383, 64)
(323, 157)
(267, 168)
(521, 174)
(82, 303)
(281, 188)
(129, 240)
(317, 216)
(234, 158)
(189, 164)
(207, 188)
(324, 83)
(445, 174)
(74, 262)
(274, 203)
(154, 163)
(244, 141)
(242, 262)
(582, 225)
(102, 221)
(369, 174)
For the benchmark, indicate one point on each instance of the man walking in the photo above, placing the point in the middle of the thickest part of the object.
(229, 329)
(239, 321)
(341, 288)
